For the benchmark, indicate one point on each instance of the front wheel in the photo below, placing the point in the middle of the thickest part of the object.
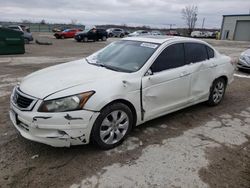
(112, 126)
(85, 39)
(217, 92)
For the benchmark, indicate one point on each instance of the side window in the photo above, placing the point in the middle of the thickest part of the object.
(171, 57)
(195, 52)
(210, 52)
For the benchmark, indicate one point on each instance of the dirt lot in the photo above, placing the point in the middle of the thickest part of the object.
(199, 146)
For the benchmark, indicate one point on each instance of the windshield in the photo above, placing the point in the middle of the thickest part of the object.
(66, 30)
(124, 56)
(87, 30)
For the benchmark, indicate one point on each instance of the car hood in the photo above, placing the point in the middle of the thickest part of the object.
(133, 34)
(247, 53)
(53, 79)
(81, 33)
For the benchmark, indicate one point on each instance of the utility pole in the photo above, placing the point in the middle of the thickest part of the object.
(170, 26)
(203, 21)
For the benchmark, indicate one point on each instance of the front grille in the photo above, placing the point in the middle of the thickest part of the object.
(22, 100)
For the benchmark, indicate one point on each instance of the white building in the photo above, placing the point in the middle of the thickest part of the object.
(236, 27)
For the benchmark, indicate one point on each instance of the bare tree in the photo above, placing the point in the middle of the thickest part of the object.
(43, 22)
(189, 14)
(73, 21)
(24, 21)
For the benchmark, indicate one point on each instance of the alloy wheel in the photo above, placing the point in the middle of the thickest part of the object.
(218, 92)
(114, 127)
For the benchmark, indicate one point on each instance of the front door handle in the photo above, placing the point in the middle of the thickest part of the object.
(185, 73)
(213, 65)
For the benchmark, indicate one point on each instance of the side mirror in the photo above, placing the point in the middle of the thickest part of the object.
(149, 72)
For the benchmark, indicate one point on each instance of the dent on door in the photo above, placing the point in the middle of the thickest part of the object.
(165, 91)
(201, 79)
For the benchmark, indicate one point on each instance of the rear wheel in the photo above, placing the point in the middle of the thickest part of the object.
(217, 92)
(112, 126)
(104, 38)
(26, 41)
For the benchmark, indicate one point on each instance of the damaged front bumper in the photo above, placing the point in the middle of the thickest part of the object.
(56, 129)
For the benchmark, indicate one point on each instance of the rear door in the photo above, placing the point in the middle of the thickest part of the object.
(168, 86)
(200, 58)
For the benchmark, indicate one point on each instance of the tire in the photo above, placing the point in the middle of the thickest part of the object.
(121, 35)
(110, 35)
(85, 39)
(114, 122)
(104, 38)
(26, 41)
(217, 92)
(78, 39)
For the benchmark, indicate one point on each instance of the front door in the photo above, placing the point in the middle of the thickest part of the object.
(168, 87)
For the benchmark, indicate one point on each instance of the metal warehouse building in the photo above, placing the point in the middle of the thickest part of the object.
(236, 27)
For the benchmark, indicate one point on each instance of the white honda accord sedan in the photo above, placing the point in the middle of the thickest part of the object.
(102, 97)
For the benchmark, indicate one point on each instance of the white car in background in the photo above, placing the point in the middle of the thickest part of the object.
(139, 33)
(244, 60)
(131, 81)
(199, 34)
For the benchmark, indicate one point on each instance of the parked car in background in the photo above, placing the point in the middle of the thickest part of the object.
(199, 34)
(173, 33)
(91, 34)
(25, 30)
(54, 30)
(127, 32)
(156, 32)
(115, 32)
(139, 33)
(131, 81)
(244, 60)
(212, 35)
(67, 33)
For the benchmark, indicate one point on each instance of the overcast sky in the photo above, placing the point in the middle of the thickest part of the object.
(131, 12)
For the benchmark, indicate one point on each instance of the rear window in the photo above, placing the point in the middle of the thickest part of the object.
(210, 52)
(195, 52)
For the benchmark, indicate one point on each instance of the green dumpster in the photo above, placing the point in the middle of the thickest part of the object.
(11, 41)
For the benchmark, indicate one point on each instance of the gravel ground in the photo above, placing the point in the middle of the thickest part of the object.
(199, 146)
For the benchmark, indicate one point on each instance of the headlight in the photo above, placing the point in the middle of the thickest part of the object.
(70, 103)
(242, 57)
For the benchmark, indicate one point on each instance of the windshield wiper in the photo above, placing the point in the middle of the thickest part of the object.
(99, 64)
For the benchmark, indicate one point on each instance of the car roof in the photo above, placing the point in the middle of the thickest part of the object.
(161, 39)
